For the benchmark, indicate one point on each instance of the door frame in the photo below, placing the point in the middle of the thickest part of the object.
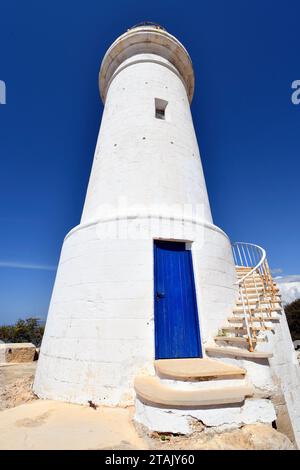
(188, 246)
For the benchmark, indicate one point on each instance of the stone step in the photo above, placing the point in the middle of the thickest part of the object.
(237, 319)
(255, 317)
(243, 330)
(239, 309)
(252, 290)
(238, 339)
(246, 285)
(250, 276)
(261, 292)
(237, 352)
(151, 390)
(244, 268)
(252, 273)
(255, 301)
(260, 284)
(251, 285)
(260, 302)
(246, 302)
(196, 369)
(248, 269)
(267, 298)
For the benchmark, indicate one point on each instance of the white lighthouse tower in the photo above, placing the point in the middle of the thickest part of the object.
(146, 280)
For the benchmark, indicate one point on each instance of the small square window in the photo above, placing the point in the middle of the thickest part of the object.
(160, 108)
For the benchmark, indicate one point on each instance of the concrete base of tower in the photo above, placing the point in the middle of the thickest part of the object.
(100, 328)
(215, 419)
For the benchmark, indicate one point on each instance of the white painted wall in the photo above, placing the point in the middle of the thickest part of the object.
(285, 368)
(100, 326)
(144, 160)
(223, 418)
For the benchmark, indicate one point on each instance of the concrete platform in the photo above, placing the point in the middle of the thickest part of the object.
(196, 369)
(236, 352)
(17, 353)
(150, 389)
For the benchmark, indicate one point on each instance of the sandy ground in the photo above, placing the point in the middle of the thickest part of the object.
(44, 424)
(9, 373)
(15, 384)
(29, 423)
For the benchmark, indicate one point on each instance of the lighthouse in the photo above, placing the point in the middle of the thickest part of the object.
(151, 303)
(146, 272)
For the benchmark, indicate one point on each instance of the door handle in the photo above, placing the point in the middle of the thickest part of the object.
(160, 295)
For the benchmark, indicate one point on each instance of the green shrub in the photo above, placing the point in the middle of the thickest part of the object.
(23, 331)
(292, 312)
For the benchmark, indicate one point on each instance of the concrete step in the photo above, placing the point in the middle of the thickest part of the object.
(261, 292)
(252, 301)
(240, 309)
(246, 302)
(248, 284)
(250, 276)
(258, 319)
(265, 304)
(243, 268)
(151, 390)
(237, 352)
(246, 271)
(251, 290)
(196, 369)
(238, 339)
(261, 303)
(267, 298)
(241, 329)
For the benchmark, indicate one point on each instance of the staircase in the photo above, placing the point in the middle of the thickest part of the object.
(187, 383)
(206, 381)
(193, 383)
(236, 375)
(258, 307)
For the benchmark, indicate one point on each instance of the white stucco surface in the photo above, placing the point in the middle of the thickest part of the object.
(286, 371)
(278, 375)
(181, 420)
(100, 328)
(146, 183)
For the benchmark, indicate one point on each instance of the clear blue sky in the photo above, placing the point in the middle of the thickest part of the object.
(245, 56)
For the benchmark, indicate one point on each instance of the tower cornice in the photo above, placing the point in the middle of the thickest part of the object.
(146, 40)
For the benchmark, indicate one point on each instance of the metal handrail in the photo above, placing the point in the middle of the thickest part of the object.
(254, 257)
(253, 252)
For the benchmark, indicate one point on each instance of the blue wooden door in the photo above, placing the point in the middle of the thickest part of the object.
(176, 318)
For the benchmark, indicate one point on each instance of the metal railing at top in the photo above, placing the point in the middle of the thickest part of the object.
(254, 278)
(248, 255)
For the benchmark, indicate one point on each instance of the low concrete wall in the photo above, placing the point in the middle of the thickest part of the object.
(17, 352)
